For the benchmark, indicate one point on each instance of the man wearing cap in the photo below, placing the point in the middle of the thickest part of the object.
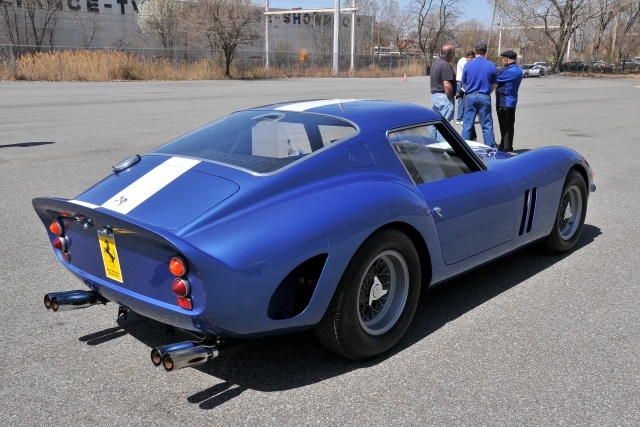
(509, 80)
(443, 87)
(479, 80)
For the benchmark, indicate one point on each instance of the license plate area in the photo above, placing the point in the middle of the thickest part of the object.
(110, 256)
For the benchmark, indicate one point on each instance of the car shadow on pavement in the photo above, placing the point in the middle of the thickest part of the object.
(296, 360)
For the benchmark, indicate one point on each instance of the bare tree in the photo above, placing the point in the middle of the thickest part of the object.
(435, 21)
(87, 23)
(371, 9)
(11, 18)
(231, 23)
(161, 18)
(556, 19)
(629, 24)
(40, 20)
(469, 32)
(603, 12)
(321, 31)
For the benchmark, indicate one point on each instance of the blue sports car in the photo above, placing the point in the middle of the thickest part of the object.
(330, 214)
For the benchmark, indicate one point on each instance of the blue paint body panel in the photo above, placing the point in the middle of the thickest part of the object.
(242, 233)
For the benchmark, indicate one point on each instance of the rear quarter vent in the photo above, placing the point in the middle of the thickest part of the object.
(293, 294)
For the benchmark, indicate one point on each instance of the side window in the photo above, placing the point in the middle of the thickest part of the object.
(426, 159)
(279, 139)
(330, 134)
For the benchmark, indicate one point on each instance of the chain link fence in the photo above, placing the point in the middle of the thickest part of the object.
(45, 63)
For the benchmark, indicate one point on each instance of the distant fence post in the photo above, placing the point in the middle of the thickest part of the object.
(108, 66)
(144, 64)
(60, 61)
(13, 62)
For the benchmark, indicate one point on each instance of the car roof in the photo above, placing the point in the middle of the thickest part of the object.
(366, 114)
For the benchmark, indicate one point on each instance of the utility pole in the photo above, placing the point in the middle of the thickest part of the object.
(266, 34)
(500, 37)
(493, 17)
(352, 71)
(336, 40)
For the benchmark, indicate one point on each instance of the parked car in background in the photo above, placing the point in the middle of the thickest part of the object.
(630, 65)
(602, 67)
(544, 65)
(534, 70)
(575, 66)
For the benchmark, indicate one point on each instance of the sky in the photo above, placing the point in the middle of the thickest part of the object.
(474, 9)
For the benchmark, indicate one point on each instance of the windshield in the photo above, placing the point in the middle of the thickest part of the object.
(260, 141)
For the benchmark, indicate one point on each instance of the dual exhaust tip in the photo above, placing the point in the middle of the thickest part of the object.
(70, 300)
(189, 353)
(171, 357)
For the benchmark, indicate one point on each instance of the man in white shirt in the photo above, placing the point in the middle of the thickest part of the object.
(461, 63)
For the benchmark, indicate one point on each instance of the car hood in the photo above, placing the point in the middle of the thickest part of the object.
(167, 192)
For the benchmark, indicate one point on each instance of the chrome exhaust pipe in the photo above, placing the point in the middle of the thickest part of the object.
(197, 355)
(158, 353)
(48, 297)
(193, 356)
(70, 300)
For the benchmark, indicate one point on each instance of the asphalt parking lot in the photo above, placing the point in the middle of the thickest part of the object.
(528, 340)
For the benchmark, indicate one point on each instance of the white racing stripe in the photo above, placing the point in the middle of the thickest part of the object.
(149, 184)
(303, 106)
(85, 204)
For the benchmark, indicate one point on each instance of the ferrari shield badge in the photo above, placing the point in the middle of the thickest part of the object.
(110, 256)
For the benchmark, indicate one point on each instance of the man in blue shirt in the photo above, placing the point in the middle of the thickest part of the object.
(479, 81)
(509, 81)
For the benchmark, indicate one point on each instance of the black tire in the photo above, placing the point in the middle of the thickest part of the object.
(566, 227)
(351, 327)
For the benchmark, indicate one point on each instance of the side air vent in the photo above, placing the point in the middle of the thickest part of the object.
(525, 211)
(294, 293)
(528, 210)
(532, 209)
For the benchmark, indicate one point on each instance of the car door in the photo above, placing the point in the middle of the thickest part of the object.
(473, 208)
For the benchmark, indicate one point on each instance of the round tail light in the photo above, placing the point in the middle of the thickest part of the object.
(177, 267)
(56, 228)
(181, 287)
(60, 243)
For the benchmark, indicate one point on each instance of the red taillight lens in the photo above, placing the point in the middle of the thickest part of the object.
(184, 303)
(177, 267)
(60, 244)
(180, 287)
(56, 228)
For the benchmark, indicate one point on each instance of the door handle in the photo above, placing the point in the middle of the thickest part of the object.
(437, 211)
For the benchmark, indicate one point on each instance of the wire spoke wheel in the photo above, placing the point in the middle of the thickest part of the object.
(376, 298)
(569, 221)
(383, 292)
(570, 212)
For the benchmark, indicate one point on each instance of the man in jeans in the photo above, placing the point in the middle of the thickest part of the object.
(461, 63)
(509, 81)
(479, 80)
(443, 87)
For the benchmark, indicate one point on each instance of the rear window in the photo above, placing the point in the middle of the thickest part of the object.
(260, 141)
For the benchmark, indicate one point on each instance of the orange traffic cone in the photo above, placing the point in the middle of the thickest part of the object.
(404, 79)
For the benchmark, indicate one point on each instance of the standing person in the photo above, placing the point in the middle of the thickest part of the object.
(509, 80)
(461, 63)
(443, 81)
(479, 81)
